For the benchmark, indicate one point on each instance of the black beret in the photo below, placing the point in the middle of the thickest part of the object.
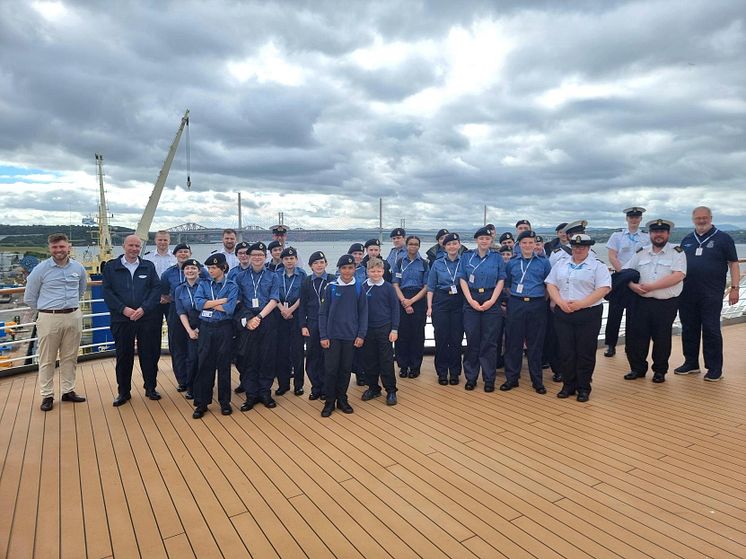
(505, 248)
(356, 247)
(191, 262)
(440, 233)
(289, 251)
(526, 235)
(560, 227)
(241, 246)
(539, 239)
(273, 245)
(522, 222)
(451, 237)
(345, 260)
(181, 246)
(372, 243)
(398, 232)
(318, 255)
(506, 236)
(258, 246)
(482, 231)
(217, 259)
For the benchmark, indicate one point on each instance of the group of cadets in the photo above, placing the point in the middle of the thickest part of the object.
(513, 295)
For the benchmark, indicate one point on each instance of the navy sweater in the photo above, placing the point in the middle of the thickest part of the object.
(343, 314)
(383, 305)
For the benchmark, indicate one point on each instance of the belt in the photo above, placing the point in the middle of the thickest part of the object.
(528, 299)
(59, 311)
(481, 289)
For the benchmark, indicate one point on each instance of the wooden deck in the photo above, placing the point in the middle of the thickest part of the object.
(642, 470)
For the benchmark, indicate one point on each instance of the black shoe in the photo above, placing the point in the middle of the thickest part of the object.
(189, 395)
(470, 385)
(454, 381)
(687, 369)
(489, 387)
(544, 366)
(370, 394)
(312, 396)
(47, 403)
(121, 399)
(633, 375)
(322, 397)
(556, 377)
(328, 409)
(345, 406)
(443, 381)
(659, 377)
(391, 399)
(281, 391)
(181, 388)
(248, 404)
(298, 391)
(565, 392)
(226, 410)
(72, 397)
(508, 386)
(198, 413)
(414, 374)
(268, 402)
(583, 395)
(403, 373)
(239, 389)
(610, 351)
(540, 389)
(152, 394)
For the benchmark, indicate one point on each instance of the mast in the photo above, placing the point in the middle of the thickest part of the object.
(104, 235)
(149, 213)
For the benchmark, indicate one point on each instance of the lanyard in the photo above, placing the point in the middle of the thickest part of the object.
(455, 270)
(408, 265)
(318, 291)
(523, 272)
(191, 298)
(287, 289)
(212, 292)
(256, 284)
(367, 291)
(696, 237)
(481, 261)
(574, 267)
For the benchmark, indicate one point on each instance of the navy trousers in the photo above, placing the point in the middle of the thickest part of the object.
(257, 363)
(289, 356)
(315, 359)
(177, 346)
(378, 356)
(526, 321)
(651, 320)
(410, 346)
(338, 363)
(700, 320)
(146, 332)
(577, 336)
(214, 348)
(448, 324)
(481, 339)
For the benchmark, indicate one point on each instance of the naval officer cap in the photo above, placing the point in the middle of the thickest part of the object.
(260, 246)
(398, 232)
(181, 246)
(372, 243)
(482, 232)
(279, 230)
(243, 245)
(582, 240)
(192, 262)
(289, 251)
(659, 225)
(507, 236)
(356, 247)
(575, 227)
(634, 211)
(526, 235)
(441, 233)
(522, 222)
(560, 227)
(318, 255)
(345, 260)
(273, 245)
(217, 259)
(451, 237)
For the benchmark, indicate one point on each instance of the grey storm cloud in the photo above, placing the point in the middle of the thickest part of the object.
(594, 105)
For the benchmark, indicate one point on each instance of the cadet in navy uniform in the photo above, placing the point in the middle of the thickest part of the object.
(357, 251)
(527, 314)
(437, 251)
(507, 253)
(560, 239)
(662, 268)
(274, 263)
(709, 254)
(171, 278)
(312, 290)
(186, 310)
(216, 301)
(410, 284)
(577, 286)
(257, 329)
(383, 324)
(507, 240)
(289, 338)
(622, 245)
(132, 291)
(242, 253)
(343, 325)
(445, 304)
(399, 249)
(372, 250)
(482, 275)
(565, 251)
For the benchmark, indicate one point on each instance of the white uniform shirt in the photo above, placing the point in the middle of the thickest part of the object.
(559, 254)
(577, 281)
(626, 244)
(230, 258)
(162, 262)
(656, 265)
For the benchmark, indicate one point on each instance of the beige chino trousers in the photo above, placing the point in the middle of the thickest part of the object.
(58, 334)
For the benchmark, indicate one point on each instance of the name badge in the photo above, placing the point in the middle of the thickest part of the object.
(398, 275)
(519, 288)
(255, 302)
(698, 252)
(452, 290)
(206, 314)
(471, 278)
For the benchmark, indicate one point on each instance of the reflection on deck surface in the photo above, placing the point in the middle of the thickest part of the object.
(642, 470)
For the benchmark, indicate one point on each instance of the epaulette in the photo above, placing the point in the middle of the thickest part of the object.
(640, 249)
(619, 231)
(678, 249)
(556, 250)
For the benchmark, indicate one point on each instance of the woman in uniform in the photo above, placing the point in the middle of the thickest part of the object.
(186, 310)
(289, 338)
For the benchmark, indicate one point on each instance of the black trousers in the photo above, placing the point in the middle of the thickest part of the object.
(257, 363)
(448, 326)
(526, 321)
(214, 346)
(700, 321)
(315, 359)
(502, 345)
(481, 339)
(378, 357)
(410, 346)
(577, 336)
(613, 322)
(289, 355)
(338, 364)
(146, 332)
(178, 346)
(192, 362)
(652, 319)
(551, 350)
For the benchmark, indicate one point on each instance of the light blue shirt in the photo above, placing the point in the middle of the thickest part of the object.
(53, 287)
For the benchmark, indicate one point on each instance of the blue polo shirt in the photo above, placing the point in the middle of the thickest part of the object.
(706, 274)
(184, 299)
(485, 272)
(289, 286)
(410, 273)
(211, 290)
(262, 286)
(443, 274)
(529, 272)
(173, 276)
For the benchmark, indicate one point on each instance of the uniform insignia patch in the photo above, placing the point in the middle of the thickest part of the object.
(677, 249)
(643, 248)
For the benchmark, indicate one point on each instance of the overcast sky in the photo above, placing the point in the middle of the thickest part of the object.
(319, 108)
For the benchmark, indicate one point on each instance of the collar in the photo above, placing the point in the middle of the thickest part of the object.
(587, 260)
(707, 233)
(340, 282)
(125, 262)
(322, 275)
(65, 265)
(378, 283)
(159, 253)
